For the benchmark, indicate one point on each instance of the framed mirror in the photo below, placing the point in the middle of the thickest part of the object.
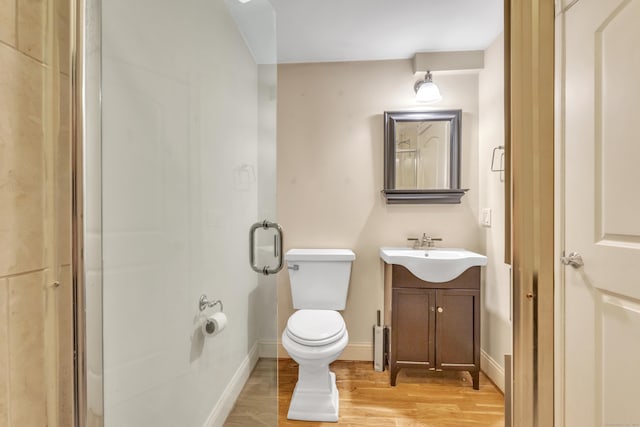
(422, 156)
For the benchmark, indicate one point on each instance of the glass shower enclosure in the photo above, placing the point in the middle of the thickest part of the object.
(178, 163)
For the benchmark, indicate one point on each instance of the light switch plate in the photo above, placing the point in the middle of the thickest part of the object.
(485, 220)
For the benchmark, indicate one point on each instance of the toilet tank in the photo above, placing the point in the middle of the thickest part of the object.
(319, 277)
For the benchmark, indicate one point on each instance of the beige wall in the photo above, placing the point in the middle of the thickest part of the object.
(496, 293)
(35, 205)
(330, 174)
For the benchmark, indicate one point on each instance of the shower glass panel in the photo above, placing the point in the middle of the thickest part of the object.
(187, 165)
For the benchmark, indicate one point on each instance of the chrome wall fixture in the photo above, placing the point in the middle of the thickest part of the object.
(499, 165)
(204, 303)
(426, 90)
(211, 325)
(277, 247)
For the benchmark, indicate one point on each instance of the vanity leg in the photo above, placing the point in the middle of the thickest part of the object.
(393, 374)
(475, 376)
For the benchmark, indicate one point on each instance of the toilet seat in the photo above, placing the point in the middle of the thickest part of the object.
(315, 328)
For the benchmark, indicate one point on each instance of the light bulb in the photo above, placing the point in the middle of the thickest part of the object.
(427, 91)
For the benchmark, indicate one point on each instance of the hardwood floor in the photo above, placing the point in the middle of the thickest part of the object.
(442, 399)
(258, 401)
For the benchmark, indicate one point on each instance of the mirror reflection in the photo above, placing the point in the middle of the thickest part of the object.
(422, 155)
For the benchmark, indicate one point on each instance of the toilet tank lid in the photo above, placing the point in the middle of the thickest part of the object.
(319, 255)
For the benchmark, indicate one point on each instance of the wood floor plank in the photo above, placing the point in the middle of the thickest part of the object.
(420, 399)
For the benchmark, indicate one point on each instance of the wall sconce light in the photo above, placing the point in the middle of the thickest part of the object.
(426, 90)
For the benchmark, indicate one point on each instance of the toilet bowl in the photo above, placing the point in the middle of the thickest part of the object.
(315, 397)
(316, 334)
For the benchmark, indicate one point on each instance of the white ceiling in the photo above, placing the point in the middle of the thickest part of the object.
(357, 30)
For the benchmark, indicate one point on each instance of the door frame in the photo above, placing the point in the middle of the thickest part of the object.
(529, 146)
(559, 235)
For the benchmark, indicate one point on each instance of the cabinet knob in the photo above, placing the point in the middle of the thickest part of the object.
(440, 309)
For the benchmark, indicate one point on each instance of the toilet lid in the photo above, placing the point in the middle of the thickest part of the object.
(315, 327)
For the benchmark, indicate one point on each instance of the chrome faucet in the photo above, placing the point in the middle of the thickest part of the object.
(426, 242)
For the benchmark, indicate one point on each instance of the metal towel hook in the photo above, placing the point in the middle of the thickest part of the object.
(204, 303)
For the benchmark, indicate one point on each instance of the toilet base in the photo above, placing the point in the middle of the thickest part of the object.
(315, 405)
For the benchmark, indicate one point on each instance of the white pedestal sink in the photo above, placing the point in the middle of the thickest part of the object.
(435, 264)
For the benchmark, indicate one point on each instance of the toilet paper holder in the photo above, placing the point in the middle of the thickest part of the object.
(204, 303)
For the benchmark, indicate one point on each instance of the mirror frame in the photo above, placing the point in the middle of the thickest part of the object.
(451, 195)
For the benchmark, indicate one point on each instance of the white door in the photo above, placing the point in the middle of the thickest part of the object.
(602, 204)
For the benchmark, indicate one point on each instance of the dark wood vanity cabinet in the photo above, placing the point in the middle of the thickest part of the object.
(434, 326)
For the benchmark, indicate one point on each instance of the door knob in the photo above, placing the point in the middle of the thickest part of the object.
(574, 260)
(440, 309)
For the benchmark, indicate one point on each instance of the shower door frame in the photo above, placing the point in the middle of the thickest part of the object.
(86, 48)
(86, 108)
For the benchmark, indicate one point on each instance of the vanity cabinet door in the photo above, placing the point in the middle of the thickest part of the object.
(457, 329)
(413, 330)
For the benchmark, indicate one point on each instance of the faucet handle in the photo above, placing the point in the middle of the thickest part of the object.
(430, 241)
(425, 237)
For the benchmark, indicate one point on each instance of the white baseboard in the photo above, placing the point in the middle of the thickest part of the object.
(230, 394)
(355, 351)
(492, 369)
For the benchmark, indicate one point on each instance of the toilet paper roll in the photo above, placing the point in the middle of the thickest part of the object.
(214, 324)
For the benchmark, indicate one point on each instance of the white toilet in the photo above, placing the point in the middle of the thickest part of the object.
(316, 334)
